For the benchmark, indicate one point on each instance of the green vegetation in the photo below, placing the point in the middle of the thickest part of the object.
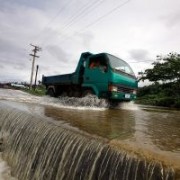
(165, 75)
(160, 95)
(38, 91)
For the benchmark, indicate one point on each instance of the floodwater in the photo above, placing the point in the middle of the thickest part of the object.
(146, 131)
(5, 171)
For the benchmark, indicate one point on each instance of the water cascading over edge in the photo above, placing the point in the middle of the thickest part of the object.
(39, 149)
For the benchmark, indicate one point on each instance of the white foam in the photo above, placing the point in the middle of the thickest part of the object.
(5, 171)
(86, 103)
(89, 102)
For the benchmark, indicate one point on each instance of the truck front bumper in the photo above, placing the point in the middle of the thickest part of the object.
(121, 96)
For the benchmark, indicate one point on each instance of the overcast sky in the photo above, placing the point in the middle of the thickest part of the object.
(134, 30)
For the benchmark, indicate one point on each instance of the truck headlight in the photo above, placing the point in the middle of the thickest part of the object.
(113, 88)
(134, 92)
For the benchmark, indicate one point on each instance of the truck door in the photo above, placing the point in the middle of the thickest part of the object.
(96, 75)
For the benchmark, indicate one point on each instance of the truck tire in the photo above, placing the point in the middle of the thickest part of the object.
(113, 104)
(51, 92)
(64, 94)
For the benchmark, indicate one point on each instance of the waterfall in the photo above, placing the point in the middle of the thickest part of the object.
(37, 149)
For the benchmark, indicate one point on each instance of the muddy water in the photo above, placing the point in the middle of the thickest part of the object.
(149, 132)
(5, 171)
(157, 128)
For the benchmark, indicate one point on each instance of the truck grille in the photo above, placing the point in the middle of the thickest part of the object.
(125, 89)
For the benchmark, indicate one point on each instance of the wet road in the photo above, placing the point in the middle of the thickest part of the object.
(144, 130)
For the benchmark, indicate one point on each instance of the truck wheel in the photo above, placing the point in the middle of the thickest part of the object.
(87, 93)
(113, 104)
(64, 94)
(50, 92)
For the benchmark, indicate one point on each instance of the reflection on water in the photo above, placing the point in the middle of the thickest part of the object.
(108, 124)
(154, 134)
(160, 128)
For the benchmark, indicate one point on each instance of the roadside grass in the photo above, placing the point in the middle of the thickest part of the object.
(38, 91)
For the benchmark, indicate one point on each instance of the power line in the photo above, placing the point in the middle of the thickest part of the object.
(54, 17)
(103, 16)
(100, 18)
(75, 18)
(107, 14)
(84, 10)
(59, 12)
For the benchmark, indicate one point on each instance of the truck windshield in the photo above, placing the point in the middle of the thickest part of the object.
(120, 65)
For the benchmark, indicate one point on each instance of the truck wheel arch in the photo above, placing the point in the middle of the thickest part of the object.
(87, 92)
(51, 91)
(91, 88)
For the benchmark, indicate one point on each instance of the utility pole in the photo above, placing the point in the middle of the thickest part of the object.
(37, 67)
(35, 50)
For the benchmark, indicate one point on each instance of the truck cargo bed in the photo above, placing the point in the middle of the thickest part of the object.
(58, 79)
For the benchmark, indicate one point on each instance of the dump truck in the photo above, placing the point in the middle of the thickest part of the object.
(102, 75)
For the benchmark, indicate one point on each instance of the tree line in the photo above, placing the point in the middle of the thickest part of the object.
(165, 78)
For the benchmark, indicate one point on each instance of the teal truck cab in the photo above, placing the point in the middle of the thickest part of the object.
(103, 75)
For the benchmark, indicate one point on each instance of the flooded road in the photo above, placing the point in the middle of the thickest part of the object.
(159, 129)
(152, 132)
(146, 131)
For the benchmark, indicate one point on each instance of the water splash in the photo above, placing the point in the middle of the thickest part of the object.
(5, 171)
(87, 102)
(37, 149)
(128, 106)
(84, 103)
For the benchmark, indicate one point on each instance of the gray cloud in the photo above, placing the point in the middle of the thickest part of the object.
(33, 3)
(10, 48)
(58, 53)
(138, 54)
(86, 38)
(15, 63)
(1, 66)
(20, 66)
(134, 32)
(172, 20)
